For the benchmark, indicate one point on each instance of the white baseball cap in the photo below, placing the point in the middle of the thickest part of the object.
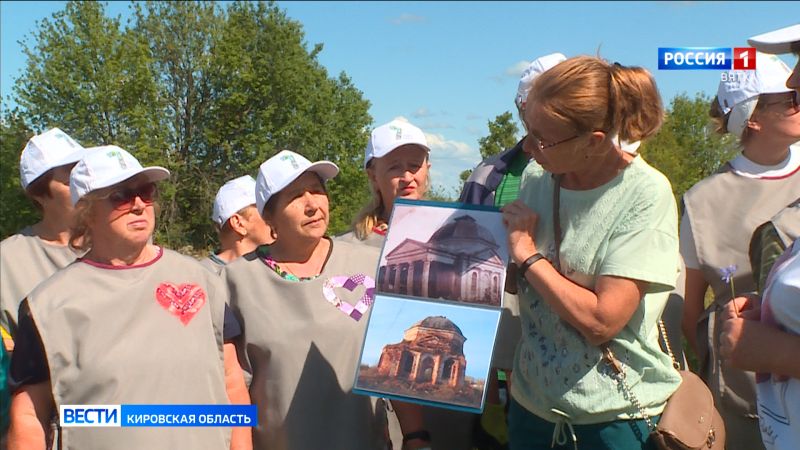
(106, 166)
(46, 151)
(537, 67)
(389, 136)
(777, 41)
(279, 171)
(232, 197)
(738, 95)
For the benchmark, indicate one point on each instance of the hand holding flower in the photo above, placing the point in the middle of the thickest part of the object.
(727, 276)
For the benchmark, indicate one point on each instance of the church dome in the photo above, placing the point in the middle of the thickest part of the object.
(439, 323)
(463, 228)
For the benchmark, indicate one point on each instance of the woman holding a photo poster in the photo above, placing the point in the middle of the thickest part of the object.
(595, 237)
(304, 301)
(397, 163)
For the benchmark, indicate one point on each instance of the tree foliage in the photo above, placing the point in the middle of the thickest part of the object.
(464, 176)
(503, 133)
(687, 149)
(210, 92)
(16, 210)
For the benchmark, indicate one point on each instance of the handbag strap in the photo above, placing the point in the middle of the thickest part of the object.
(557, 220)
(619, 373)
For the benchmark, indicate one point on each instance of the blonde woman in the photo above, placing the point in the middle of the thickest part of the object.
(397, 165)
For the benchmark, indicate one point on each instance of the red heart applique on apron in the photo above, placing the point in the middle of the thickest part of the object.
(183, 301)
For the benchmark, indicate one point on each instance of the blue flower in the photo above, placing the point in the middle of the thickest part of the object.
(727, 273)
(727, 276)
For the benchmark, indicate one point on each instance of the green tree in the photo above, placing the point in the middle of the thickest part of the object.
(273, 94)
(181, 37)
(463, 177)
(15, 208)
(439, 193)
(687, 149)
(208, 92)
(503, 133)
(91, 78)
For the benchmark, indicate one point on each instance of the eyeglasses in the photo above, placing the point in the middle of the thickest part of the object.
(792, 101)
(541, 145)
(124, 198)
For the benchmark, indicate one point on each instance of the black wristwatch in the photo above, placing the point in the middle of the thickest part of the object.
(523, 268)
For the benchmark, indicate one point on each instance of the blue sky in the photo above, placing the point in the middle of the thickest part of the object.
(392, 316)
(449, 67)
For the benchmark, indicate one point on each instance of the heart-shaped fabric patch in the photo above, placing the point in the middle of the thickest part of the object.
(183, 301)
(350, 283)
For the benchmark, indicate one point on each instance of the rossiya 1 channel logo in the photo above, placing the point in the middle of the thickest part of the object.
(706, 58)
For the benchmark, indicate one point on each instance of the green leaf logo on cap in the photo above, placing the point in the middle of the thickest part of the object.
(291, 159)
(120, 159)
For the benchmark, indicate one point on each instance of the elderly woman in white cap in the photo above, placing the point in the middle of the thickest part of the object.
(129, 323)
(304, 302)
(756, 336)
(397, 164)
(36, 252)
(758, 108)
(239, 225)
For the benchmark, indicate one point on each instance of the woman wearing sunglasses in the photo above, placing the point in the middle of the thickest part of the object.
(304, 301)
(129, 323)
(594, 234)
(720, 215)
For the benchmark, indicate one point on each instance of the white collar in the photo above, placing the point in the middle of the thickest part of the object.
(747, 168)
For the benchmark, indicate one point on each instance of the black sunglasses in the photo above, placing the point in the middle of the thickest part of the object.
(124, 198)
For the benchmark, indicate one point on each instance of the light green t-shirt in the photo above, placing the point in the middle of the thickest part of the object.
(626, 228)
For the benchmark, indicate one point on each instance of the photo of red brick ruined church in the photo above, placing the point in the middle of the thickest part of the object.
(428, 363)
(452, 255)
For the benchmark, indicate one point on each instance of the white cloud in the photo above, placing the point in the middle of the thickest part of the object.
(422, 112)
(516, 70)
(473, 116)
(513, 71)
(407, 18)
(448, 159)
(443, 148)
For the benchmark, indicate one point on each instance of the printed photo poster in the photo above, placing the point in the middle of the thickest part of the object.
(445, 252)
(439, 291)
(432, 353)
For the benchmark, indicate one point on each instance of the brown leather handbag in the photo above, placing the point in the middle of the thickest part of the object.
(690, 421)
